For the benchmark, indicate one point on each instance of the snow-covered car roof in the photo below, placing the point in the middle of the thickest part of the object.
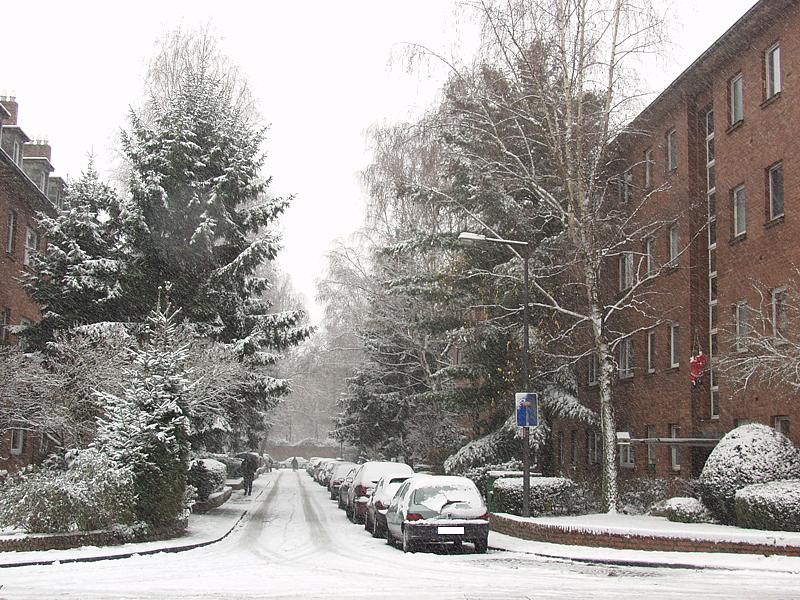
(374, 470)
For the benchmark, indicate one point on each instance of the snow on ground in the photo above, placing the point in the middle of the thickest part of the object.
(295, 543)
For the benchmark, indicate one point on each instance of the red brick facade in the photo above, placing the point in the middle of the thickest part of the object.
(712, 275)
(20, 199)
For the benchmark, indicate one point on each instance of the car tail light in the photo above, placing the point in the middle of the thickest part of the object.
(484, 516)
(361, 490)
(413, 517)
(380, 505)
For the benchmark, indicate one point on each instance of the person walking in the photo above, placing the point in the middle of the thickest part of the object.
(294, 463)
(249, 468)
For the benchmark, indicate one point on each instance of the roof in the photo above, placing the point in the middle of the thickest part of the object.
(18, 130)
(4, 114)
(14, 180)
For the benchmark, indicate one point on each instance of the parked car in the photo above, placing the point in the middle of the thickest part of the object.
(312, 465)
(385, 489)
(344, 488)
(365, 480)
(339, 472)
(325, 469)
(437, 509)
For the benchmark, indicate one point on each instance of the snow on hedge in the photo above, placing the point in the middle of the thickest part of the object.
(774, 505)
(548, 496)
(687, 510)
(752, 453)
(208, 476)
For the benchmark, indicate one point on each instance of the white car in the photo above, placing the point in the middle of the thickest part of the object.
(365, 480)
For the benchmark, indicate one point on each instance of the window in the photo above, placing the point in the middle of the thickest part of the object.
(31, 245)
(714, 387)
(672, 238)
(781, 424)
(675, 451)
(594, 368)
(650, 255)
(740, 319)
(737, 99)
(650, 433)
(5, 321)
(625, 271)
(672, 150)
(16, 155)
(651, 351)
(626, 186)
(11, 232)
(674, 345)
(592, 447)
(779, 324)
(739, 211)
(772, 70)
(43, 181)
(648, 168)
(17, 441)
(626, 358)
(775, 183)
(573, 448)
(626, 458)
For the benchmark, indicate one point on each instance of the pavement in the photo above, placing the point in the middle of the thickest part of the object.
(217, 524)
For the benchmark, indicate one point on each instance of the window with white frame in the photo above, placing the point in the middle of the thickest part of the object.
(675, 451)
(775, 184)
(714, 387)
(594, 368)
(672, 150)
(674, 345)
(5, 321)
(737, 99)
(573, 448)
(772, 70)
(16, 152)
(43, 181)
(31, 245)
(11, 232)
(626, 458)
(650, 255)
(651, 351)
(592, 447)
(779, 318)
(739, 211)
(650, 433)
(648, 168)
(740, 322)
(781, 424)
(625, 271)
(626, 358)
(626, 186)
(672, 238)
(17, 441)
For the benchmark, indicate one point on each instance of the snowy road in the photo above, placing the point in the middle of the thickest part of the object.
(295, 543)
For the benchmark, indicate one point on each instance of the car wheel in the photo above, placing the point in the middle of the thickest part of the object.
(350, 515)
(377, 530)
(367, 523)
(481, 546)
(389, 537)
(408, 545)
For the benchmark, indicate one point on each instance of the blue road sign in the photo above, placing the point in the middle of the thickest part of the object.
(527, 409)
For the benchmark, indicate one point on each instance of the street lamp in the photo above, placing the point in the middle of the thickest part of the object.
(468, 238)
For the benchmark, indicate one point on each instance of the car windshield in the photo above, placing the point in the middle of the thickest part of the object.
(437, 497)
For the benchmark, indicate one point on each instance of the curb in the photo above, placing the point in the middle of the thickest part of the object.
(169, 549)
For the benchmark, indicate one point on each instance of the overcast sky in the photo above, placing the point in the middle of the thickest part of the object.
(320, 70)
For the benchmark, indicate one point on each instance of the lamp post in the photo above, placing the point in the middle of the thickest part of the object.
(468, 238)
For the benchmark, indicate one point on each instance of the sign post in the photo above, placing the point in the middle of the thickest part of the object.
(527, 409)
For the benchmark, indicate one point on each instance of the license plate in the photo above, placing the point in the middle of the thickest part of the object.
(451, 531)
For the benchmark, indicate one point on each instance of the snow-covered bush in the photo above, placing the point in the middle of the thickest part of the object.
(548, 496)
(480, 475)
(93, 493)
(752, 453)
(774, 505)
(207, 476)
(233, 465)
(638, 495)
(686, 510)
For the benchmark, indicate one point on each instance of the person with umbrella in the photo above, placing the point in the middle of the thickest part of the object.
(249, 468)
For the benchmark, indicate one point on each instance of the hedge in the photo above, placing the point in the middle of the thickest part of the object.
(548, 496)
(774, 506)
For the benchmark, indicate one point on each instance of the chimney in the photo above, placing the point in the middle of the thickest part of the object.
(36, 149)
(10, 104)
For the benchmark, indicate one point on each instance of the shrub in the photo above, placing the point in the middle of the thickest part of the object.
(638, 495)
(480, 475)
(774, 505)
(207, 475)
(233, 465)
(93, 493)
(749, 454)
(548, 496)
(686, 510)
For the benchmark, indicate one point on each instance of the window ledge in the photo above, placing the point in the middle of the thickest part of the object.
(649, 372)
(771, 100)
(735, 126)
(738, 239)
(714, 418)
(628, 466)
(668, 269)
(674, 369)
(774, 222)
(626, 379)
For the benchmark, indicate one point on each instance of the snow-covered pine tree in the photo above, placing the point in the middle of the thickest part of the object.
(78, 278)
(146, 427)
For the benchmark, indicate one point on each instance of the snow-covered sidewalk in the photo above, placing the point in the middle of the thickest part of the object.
(203, 529)
(634, 525)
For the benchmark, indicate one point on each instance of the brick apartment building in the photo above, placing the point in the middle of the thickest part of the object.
(719, 149)
(26, 187)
